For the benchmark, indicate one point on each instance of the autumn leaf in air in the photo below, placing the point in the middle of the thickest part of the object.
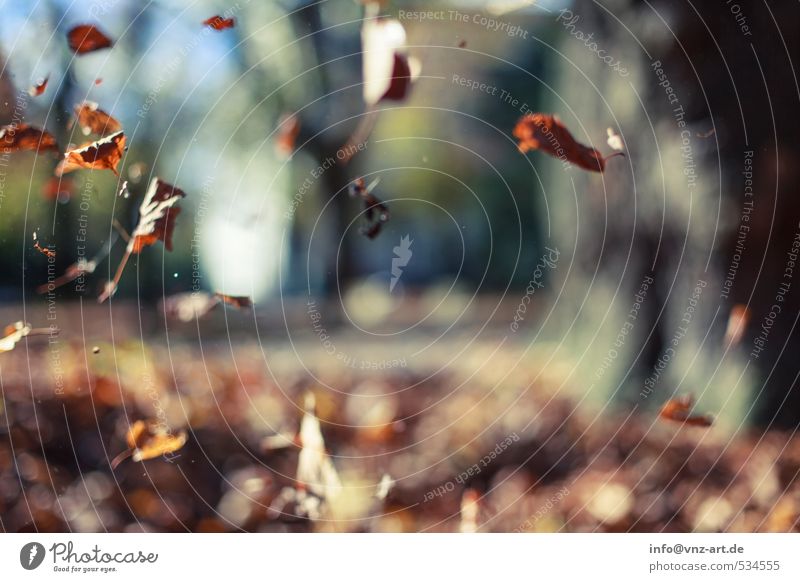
(737, 323)
(87, 38)
(540, 131)
(23, 137)
(679, 410)
(148, 440)
(46, 251)
(376, 212)
(38, 88)
(219, 23)
(104, 154)
(287, 131)
(157, 215)
(92, 119)
(387, 68)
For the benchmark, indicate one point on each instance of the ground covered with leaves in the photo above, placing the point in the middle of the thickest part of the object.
(495, 443)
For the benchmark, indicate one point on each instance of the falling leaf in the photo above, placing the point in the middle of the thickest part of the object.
(386, 68)
(737, 322)
(287, 132)
(39, 87)
(678, 410)
(98, 81)
(86, 38)
(157, 215)
(92, 119)
(376, 212)
(148, 440)
(104, 154)
(237, 301)
(219, 23)
(315, 470)
(469, 511)
(462, 44)
(614, 140)
(539, 131)
(46, 251)
(14, 332)
(23, 137)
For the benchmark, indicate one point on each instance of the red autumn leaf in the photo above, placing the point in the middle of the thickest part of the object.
(540, 131)
(92, 119)
(23, 137)
(219, 23)
(38, 88)
(678, 410)
(157, 215)
(376, 212)
(104, 154)
(288, 129)
(87, 38)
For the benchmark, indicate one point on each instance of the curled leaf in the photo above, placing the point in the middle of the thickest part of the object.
(23, 137)
(148, 440)
(540, 131)
(157, 215)
(87, 38)
(679, 409)
(104, 154)
(92, 119)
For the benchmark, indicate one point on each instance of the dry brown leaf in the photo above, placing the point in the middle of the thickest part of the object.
(148, 440)
(104, 154)
(92, 119)
(540, 131)
(23, 137)
(157, 215)
(86, 38)
(679, 409)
